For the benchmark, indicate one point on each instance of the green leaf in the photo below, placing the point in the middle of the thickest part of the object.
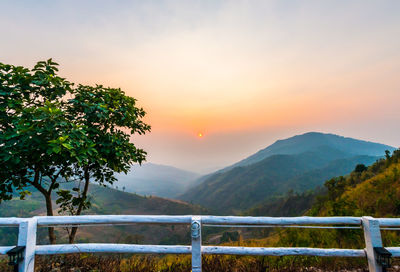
(56, 149)
(68, 146)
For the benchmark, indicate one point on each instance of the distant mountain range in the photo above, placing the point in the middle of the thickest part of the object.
(298, 163)
(157, 180)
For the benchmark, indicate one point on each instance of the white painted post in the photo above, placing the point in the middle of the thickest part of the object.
(196, 243)
(372, 235)
(27, 238)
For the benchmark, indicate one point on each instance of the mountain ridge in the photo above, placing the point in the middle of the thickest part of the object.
(156, 179)
(286, 146)
(319, 156)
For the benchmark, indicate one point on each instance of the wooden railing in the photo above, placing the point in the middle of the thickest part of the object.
(28, 226)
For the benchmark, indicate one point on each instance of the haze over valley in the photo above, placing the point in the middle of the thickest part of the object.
(299, 163)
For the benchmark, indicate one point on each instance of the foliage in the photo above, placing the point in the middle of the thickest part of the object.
(53, 132)
(291, 204)
(68, 202)
(360, 168)
(230, 236)
(31, 123)
(173, 263)
(374, 191)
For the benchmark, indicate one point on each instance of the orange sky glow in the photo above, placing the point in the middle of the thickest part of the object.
(243, 74)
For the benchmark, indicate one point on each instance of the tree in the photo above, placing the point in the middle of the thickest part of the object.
(387, 154)
(360, 168)
(52, 132)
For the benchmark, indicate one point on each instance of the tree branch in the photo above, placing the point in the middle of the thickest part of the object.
(54, 181)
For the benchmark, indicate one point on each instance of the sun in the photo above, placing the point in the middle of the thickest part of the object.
(200, 135)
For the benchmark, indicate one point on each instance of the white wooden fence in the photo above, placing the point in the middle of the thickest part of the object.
(27, 236)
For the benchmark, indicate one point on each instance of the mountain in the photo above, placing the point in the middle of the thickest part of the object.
(157, 180)
(299, 163)
(312, 140)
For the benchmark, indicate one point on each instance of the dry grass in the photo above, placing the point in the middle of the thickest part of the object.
(174, 263)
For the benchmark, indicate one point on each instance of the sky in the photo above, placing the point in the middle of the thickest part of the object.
(242, 73)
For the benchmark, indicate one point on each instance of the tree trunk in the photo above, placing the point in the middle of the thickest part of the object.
(49, 207)
(80, 207)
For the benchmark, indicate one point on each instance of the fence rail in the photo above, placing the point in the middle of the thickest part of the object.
(28, 226)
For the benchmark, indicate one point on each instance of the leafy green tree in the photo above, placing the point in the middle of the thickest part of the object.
(52, 132)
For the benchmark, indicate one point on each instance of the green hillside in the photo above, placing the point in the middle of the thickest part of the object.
(373, 192)
(108, 201)
(243, 187)
(291, 204)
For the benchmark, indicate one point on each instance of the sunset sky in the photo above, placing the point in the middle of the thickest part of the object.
(241, 73)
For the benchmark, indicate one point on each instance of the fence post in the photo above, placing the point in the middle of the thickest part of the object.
(372, 235)
(27, 238)
(195, 232)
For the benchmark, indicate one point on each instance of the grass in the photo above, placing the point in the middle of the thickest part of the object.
(175, 263)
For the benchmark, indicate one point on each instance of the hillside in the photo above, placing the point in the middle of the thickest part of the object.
(374, 191)
(321, 157)
(157, 180)
(109, 201)
(244, 187)
(291, 204)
